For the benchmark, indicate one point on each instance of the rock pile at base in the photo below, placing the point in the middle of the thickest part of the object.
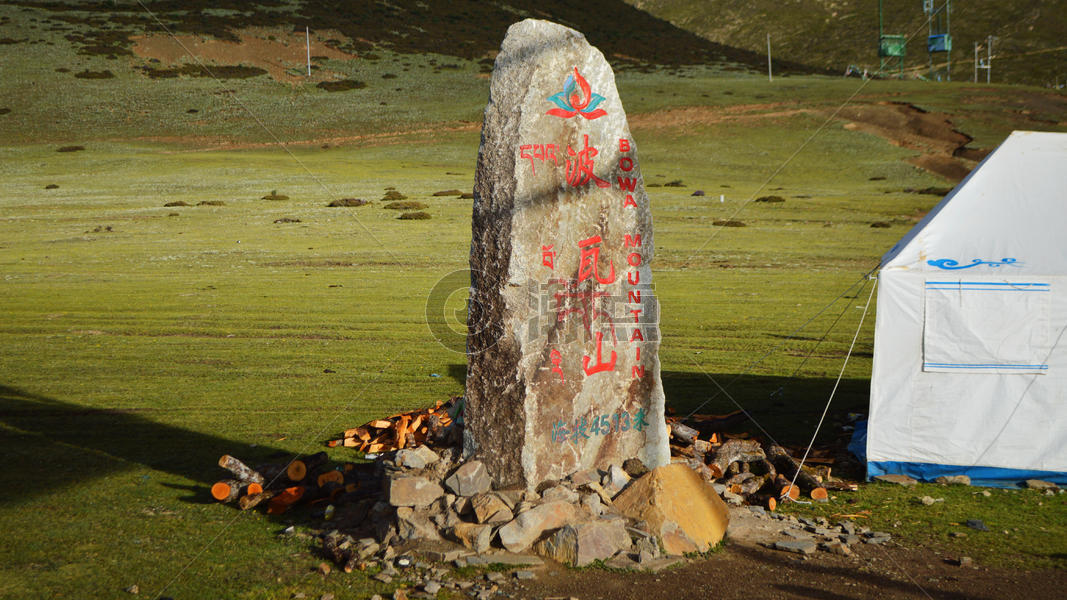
(433, 500)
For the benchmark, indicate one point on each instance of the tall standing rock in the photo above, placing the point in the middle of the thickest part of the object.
(563, 327)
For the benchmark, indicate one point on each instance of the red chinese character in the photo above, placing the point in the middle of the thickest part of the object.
(556, 359)
(548, 256)
(589, 258)
(580, 170)
(600, 364)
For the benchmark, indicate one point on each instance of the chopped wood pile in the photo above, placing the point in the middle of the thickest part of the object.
(311, 479)
(749, 471)
(429, 426)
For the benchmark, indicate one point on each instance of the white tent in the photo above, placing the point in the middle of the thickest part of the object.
(970, 350)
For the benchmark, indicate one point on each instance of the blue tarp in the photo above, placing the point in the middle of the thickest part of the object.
(980, 476)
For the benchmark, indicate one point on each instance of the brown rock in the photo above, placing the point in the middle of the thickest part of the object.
(582, 543)
(522, 532)
(896, 478)
(475, 536)
(557, 387)
(674, 494)
(469, 479)
(490, 508)
(413, 491)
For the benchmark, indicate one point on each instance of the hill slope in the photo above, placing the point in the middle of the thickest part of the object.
(833, 34)
(462, 28)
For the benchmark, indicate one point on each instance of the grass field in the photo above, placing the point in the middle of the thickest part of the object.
(140, 342)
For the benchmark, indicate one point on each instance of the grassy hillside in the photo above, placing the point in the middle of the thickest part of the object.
(833, 34)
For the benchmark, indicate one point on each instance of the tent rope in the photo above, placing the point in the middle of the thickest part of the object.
(748, 368)
(837, 383)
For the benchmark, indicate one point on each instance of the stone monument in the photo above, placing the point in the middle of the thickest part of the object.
(563, 366)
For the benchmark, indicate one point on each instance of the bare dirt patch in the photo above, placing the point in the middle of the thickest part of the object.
(273, 50)
(943, 147)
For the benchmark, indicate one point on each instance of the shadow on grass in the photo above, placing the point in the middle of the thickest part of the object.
(788, 408)
(49, 444)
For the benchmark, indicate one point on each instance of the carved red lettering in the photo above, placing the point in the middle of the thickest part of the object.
(600, 364)
(627, 183)
(624, 145)
(556, 359)
(634, 297)
(629, 201)
(638, 371)
(634, 277)
(548, 256)
(588, 266)
(524, 153)
(637, 335)
(632, 242)
(637, 315)
(634, 258)
(626, 163)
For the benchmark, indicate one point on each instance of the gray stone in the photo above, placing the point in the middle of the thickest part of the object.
(553, 391)
(560, 494)
(494, 577)
(848, 527)
(647, 545)
(383, 577)
(976, 524)
(524, 574)
(431, 587)
(1038, 484)
(415, 458)
(877, 537)
(585, 476)
(965, 561)
(851, 540)
(615, 480)
(582, 543)
(511, 559)
(413, 491)
(591, 502)
(469, 479)
(413, 525)
(759, 511)
(838, 548)
(898, 479)
(797, 535)
(797, 546)
(954, 480)
(928, 500)
(520, 533)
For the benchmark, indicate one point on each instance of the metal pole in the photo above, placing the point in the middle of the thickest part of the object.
(948, 32)
(989, 60)
(976, 62)
(307, 32)
(769, 76)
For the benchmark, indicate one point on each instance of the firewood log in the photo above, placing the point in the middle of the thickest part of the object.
(241, 471)
(734, 451)
(227, 490)
(683, 433)
(253, 500)
(790, 468)
(298, 469)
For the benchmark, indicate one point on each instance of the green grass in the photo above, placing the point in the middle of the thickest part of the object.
(132, 358)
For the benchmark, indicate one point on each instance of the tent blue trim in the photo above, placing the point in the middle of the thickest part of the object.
(983, 476)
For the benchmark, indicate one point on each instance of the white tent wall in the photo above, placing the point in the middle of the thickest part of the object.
(970, 359)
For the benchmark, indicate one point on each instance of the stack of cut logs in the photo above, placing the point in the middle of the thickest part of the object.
(308, 479)
(404, 430)
(748, 470)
